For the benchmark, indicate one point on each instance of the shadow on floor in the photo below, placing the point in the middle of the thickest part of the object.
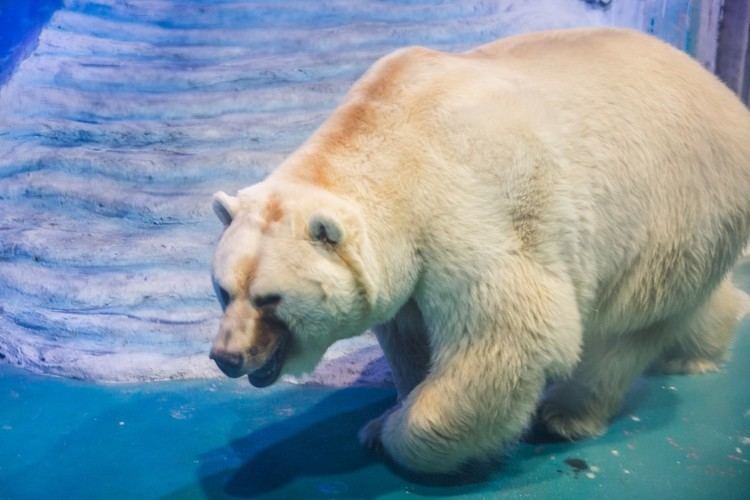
(320, 443)
(306, 445)
(320, 446)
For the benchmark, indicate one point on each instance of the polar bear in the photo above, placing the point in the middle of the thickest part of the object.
(556, 207)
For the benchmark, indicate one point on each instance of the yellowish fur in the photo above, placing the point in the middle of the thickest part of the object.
(562, 205)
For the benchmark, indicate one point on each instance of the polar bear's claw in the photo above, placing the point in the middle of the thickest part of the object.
(369, 435)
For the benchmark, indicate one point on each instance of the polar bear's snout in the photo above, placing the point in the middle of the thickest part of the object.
(251, 341)
(228, 362)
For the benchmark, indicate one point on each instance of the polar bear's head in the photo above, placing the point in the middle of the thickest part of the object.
(292, 274)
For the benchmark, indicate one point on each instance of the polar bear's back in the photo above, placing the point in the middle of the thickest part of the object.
(611, 88)
(656, 146)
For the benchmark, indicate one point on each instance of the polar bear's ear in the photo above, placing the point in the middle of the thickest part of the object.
(325, 229)
(225, 207)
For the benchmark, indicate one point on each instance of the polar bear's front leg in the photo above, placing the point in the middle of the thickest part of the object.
(469, 409)
(492, 350)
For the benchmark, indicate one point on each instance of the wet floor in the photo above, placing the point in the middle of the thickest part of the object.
(678, 437)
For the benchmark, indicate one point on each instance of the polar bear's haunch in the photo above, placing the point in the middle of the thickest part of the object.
(556, 206)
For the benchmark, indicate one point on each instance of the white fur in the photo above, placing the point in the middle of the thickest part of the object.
(561, 205)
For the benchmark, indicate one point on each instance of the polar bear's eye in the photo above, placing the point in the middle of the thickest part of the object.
(321, 235)
(223, 295)
(325, 230)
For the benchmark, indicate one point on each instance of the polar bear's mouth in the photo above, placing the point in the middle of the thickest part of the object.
(269, 372)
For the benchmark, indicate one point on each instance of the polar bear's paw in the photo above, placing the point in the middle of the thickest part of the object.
(569, 424)
(369, 435)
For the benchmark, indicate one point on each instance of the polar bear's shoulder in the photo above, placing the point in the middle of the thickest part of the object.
(399, 71)
(377, 103)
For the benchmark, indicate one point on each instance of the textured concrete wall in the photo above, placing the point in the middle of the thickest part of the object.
(733, 61)
(129, 114)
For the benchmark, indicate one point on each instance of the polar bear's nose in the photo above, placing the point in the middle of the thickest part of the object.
(267, 301)
(228, 362)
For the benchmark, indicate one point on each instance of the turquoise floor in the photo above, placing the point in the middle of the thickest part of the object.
(122, 121)
(678, 437)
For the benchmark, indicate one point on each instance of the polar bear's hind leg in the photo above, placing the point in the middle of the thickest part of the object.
(702, 343)
(696, 342)
(582, 406)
